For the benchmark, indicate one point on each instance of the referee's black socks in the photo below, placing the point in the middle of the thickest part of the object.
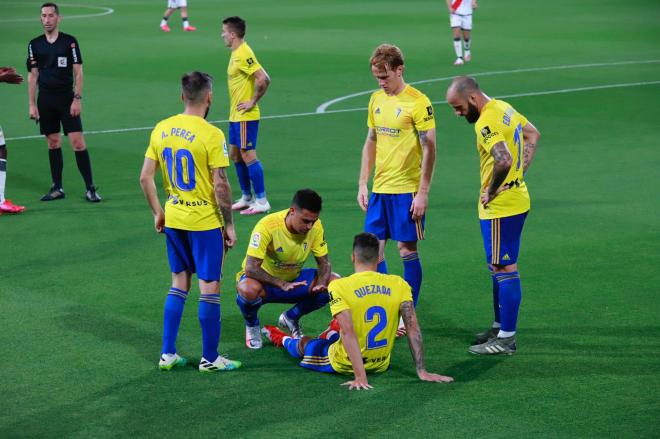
(56, 165)
(85, 167)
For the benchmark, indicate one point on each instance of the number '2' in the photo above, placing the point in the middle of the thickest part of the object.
(379, 311)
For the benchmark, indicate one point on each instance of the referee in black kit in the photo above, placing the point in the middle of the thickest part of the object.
(54, 60)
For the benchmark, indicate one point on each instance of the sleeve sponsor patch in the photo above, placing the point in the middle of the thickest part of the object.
(255, 240)
(485, 131)
(429, 110)
(249, 61)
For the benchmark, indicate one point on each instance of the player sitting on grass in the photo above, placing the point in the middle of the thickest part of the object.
(366, 306)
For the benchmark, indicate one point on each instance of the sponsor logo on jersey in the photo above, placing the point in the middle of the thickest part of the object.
(61, 61)
(385, 131)
(255, 240)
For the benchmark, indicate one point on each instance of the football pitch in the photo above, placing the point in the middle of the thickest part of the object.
(82, 286)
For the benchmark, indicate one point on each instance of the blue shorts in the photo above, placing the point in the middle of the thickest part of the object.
(389, 217)
(502, 238)
(277, 295)
(316, 355)
(197, 252)
(244, 134)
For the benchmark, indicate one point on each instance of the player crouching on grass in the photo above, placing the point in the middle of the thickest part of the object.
(366, 306)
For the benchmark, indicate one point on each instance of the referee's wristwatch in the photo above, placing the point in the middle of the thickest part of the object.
(77, 96)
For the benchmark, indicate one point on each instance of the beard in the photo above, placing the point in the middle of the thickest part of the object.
(206, 113)
(473, 113)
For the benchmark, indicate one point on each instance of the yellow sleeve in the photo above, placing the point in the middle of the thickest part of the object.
(406, 291)
(489, 131)
(337, 303)
(370, 114)
(216, 148)
(319, 246)
(151, 149)
(423, 117)
(248, 63)
(259, 241)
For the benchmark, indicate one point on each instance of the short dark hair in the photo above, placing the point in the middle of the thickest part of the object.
(307, 199)
(365, 247)
(236, 24)
(195, 85)
(51, 5)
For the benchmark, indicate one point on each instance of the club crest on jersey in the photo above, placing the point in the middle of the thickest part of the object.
(256, 240)
(61, 61)
(398, 112)
(377, 110)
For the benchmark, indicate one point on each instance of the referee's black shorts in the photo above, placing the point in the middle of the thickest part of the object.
(55, 109)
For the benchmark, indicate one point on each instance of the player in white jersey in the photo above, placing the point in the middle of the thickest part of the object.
(173, 5)
(460, 19)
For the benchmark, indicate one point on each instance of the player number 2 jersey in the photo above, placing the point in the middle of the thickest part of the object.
(240, 77)
(397, 121)
(499, 122)
(374, 300)
(187, 148)
(284, 253)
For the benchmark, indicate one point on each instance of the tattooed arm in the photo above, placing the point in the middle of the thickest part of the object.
(323, 274)
(366, 166)
(253, 270)
(222, 191)
(421, 200)
(261, 83)
(407, 311)
(531, 136)
(502, 164)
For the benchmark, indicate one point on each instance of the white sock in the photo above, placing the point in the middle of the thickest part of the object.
(163, 22)
(458, 48)
(263, 201)
(3, 178)
(496, 325)
(185, 23)
(247, 197)
(505, 334)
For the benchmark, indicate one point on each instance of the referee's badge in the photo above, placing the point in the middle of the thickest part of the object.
(61, 61)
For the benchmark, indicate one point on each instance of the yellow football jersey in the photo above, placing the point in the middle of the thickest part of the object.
(187, 148)
(283, 253)
(240, 79)
(499, 122)
(374, 300)
(396, 121)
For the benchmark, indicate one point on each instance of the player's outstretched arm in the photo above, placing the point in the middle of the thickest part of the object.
(352, 347)
(502, 161)
(323, 274)
(366, 166)
(151, 194)
(223, 198)
(261, 83)
(407, 311)
(9, 75)
(531, 136)
(421, 200)
(253, 270)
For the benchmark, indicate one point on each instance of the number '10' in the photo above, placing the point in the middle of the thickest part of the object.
(175, 170)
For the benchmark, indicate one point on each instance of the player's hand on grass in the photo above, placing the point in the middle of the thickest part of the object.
(9, 75)
(358, 383)
(419, 205)
(433, 377)
(288, 286)
(246, 106)
(159, 221)
(363, 197)
(230, 236)
(34, 112)
(75, 108)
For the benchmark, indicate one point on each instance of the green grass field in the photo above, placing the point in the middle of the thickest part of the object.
(82, 286)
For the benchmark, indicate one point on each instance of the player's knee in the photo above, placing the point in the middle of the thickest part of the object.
(248, 156)
(235, 154)
(405, 248)
(250, 289)
(78, 143)
(504, 268)
(54, 144)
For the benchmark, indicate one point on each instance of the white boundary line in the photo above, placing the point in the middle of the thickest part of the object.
(346, 110)
(106, 11)
(324, 106)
